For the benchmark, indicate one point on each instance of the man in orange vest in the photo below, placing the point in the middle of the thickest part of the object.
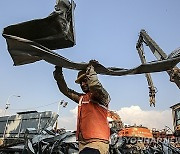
(93, 130)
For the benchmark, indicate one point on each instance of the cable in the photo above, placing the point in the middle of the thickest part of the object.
(36, 107)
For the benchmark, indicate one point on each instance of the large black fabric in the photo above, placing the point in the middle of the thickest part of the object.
(25, 51)
(34, 40)
(54, 32)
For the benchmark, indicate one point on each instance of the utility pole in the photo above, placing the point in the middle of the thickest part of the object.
(63, 104)
(8, 103)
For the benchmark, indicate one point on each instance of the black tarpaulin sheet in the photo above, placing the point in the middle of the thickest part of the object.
(24, 51)
(34, 40)
(54, 32)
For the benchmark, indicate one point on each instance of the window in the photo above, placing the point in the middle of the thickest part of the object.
(177, 116)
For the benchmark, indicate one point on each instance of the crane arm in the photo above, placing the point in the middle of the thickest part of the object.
(174, 73)
(152, 89)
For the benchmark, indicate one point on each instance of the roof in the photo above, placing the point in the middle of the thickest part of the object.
(175, 106)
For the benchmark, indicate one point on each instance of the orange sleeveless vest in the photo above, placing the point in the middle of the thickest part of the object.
(92, 120)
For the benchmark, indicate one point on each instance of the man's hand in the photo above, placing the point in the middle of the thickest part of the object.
(93, 62)
(91, 66)
(57, 72)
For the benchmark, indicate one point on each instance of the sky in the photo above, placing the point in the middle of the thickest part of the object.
(108, 32)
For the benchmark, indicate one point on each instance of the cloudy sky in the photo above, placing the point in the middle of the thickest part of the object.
(129, 115)
(106, 31)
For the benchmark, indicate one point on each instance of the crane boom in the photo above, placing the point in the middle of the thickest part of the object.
(174, 73)
(152, 89)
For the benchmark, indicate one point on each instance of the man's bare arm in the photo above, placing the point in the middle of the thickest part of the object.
(58, 76)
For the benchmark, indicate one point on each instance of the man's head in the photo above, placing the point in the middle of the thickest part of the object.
(82, 80)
